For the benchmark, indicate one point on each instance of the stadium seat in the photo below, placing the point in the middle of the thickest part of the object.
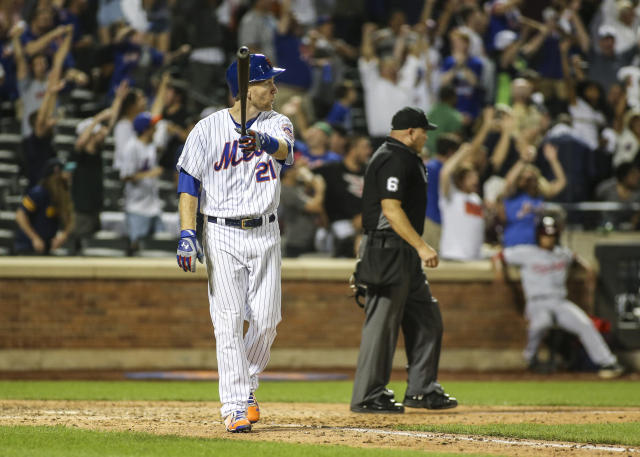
(8, 156)
(11, 141)
(6, 240)
(106, 240)
(112, 195)
(165, 242)
(12, 202)
(7, 220)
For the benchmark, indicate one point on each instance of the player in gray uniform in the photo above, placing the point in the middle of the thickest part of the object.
(543, 271)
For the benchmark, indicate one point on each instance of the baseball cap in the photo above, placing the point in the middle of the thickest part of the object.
(409, 117)
(54, 165)
(323, 19)
(607, 31)
(144, 121)
(324, 126)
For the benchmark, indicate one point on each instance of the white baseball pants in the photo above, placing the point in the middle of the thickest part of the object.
(244, 285)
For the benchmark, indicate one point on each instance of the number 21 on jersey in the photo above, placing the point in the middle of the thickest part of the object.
(265, 171)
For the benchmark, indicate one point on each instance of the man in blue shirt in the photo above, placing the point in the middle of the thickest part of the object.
(464, 73)
(340, 113)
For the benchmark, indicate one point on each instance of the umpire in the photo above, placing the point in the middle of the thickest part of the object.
(392, 256)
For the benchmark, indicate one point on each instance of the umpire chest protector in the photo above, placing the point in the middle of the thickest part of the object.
(396, 172)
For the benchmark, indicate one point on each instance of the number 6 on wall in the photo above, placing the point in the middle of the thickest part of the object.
(262, 169)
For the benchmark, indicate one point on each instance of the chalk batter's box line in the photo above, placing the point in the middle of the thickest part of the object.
(474, 439)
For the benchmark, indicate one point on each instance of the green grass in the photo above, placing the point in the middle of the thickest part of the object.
(521, 393)
(23, 441)
(619, 433)
(61, 441)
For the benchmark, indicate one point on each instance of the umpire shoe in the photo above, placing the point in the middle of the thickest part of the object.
(237, 422)
(433, 400)
(253, 410)
(383, 404)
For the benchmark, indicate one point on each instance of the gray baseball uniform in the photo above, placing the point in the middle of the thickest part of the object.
(544, 275)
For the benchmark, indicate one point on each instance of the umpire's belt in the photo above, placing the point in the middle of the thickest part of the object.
(242, 223)
(385, 239)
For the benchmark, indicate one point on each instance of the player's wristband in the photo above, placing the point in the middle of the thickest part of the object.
(270, 145)
(187, 233)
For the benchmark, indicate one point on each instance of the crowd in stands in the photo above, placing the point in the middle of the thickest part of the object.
(536, 102)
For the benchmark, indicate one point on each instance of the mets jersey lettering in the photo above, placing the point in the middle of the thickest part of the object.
(229, 157)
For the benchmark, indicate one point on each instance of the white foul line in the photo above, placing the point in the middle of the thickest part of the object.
(540, 444)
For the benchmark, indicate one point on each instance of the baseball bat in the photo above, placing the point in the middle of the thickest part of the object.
(243, 85)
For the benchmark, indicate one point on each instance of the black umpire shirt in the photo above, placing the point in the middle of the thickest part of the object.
(395, 171)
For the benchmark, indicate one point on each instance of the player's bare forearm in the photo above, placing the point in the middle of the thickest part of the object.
(283, 150)
(23, 222)
(187, 206)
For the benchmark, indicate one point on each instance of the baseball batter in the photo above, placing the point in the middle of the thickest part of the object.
(238, 181)
(543, 272)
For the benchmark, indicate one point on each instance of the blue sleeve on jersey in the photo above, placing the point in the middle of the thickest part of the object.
(188, 184)
(270, 145)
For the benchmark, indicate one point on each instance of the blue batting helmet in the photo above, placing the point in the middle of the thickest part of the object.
(260, 69)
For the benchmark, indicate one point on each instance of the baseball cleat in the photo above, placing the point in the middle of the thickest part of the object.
(253, 410)
(611, 371)
(237, 422)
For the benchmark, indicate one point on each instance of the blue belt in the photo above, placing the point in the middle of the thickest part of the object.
(242, 223)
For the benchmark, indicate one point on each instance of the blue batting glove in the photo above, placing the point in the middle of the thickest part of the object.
(189, 250)
(257, 141)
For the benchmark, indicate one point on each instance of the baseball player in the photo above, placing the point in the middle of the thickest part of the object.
(238, 181)
(543, 273)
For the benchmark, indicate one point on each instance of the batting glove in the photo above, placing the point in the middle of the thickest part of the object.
(257, 141)
(189, 250)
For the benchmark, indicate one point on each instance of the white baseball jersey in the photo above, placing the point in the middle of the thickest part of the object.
(235, 185)
(142, 196)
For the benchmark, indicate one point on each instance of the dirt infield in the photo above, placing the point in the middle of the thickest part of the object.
(325, 424)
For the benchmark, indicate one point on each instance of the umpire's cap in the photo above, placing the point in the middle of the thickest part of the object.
(260, 69)
(409, 117)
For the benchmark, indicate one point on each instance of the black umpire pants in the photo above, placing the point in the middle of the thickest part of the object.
(408, 304)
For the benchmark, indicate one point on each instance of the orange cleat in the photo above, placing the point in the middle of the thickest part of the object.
(253, 410)
(237, 422)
